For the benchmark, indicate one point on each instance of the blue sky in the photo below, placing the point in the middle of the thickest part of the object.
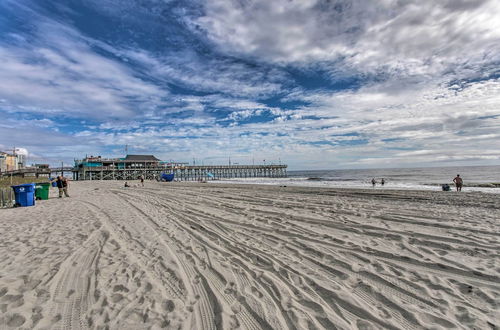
(314, 84)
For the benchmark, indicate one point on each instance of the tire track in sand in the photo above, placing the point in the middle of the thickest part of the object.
(73, 286)
(202, 303)
(204, 274)
(272, 277)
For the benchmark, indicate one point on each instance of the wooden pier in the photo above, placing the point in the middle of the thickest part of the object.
(182, 173)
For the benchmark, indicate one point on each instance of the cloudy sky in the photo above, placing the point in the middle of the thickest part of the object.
(316, 84)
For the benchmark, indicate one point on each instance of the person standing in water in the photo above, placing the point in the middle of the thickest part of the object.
(382, 182)
(458, 182)
(374, 182)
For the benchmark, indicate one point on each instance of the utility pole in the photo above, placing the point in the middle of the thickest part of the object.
(62, 169)
(14, 154)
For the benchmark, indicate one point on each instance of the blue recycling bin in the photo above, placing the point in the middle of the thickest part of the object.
(25, 194)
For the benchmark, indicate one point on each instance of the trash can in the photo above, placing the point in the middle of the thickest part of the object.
(42, 190)
(25, 194)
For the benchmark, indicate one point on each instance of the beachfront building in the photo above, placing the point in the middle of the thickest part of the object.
(129, 162)
(131, 167)
(11, 162)
(3, 161)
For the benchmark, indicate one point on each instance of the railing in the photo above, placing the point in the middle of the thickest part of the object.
(6, 197)
(59, 169)
(27, 170)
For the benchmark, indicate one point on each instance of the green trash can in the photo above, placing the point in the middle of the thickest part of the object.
(42, 190)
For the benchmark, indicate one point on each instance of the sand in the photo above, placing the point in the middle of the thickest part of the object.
(210, 256)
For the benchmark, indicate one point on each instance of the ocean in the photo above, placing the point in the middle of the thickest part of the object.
(476, 178)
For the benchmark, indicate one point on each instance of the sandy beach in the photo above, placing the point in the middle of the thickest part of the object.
(212, 256)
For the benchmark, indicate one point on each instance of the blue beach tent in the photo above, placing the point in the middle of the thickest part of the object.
(167, 177)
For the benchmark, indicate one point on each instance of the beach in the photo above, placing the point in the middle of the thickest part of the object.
(228, 256)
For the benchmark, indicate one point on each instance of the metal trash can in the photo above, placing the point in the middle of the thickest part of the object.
(42, 190)
(24, 194)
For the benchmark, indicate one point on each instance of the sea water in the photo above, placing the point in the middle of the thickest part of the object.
(476, 178)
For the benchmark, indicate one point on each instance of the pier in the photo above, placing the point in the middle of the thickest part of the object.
(134, 166)
(184, 173)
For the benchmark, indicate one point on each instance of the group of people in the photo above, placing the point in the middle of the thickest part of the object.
(140, 178)
(374, 182)
(62, 185)
(445, 187)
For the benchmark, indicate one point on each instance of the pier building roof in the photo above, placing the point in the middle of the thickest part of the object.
(141, 158)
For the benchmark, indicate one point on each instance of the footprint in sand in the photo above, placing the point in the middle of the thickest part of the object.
(15, 320)
(256, 292)
(168, 305)
(120, 288)
(13, 301)
(116, 297)
(236, 307)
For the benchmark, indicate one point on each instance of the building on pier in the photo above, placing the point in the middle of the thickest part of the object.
(134, 166)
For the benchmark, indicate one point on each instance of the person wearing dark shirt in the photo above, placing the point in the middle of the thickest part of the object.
(62, 185)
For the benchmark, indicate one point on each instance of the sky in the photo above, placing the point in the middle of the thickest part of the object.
(314, 84)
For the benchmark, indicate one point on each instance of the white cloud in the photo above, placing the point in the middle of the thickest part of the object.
(61, 74)
(393, 37)
(208, 74)
(408, 115)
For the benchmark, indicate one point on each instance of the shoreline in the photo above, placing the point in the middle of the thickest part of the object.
(303, 182)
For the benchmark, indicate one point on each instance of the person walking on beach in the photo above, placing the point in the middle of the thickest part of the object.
(59, 186)
(62, 186)
(458, 182)
(142, 180)
(374, 182)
